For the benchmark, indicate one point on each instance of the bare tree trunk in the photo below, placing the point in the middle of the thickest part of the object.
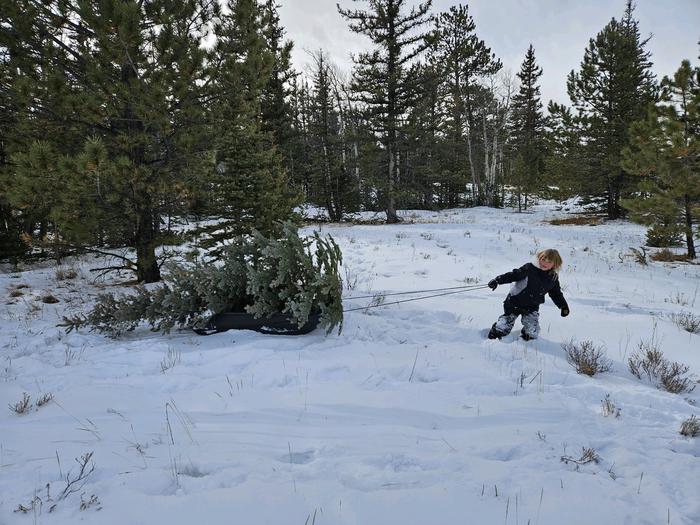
(492, 151)
(355, 146)
(147, 270)
(487, 189)
(689, 228)
(490, 158)
(476, 180)
(391, 215)
(493, 167)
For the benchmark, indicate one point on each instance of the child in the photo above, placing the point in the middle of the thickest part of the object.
(527, 294)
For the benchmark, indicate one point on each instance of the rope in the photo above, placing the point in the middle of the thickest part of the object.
(414, 299)
(466, 287)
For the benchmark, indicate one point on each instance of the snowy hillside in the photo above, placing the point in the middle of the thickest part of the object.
(409, 416)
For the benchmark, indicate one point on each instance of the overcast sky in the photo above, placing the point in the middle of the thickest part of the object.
(558, 29)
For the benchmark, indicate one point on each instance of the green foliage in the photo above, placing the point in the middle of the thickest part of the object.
(276, 110)
(385, 78)
(109, 98)
(287, 276)
(328, 149)
(248, 187)
(257, 274)
(566, 166)
(663, 156)
(664, 235)
(463, 59)
(12, 246)
(527, 128)
(611, 90)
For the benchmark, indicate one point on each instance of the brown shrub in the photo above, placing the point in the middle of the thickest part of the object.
(667, 255)
(49, 299)
(686, 321)
(691, 427)
(582, 220)
(668, 375)
(586, 357)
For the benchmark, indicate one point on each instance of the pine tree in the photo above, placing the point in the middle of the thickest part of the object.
(464, 58)
(385, 78)
(11, 246)
(300, 149)
(665, 154)
(566, 153)
(263, 276)
(250, 187)
(613, 88)
(126, 101)
(35, 92)
(528, 129)
(328, 149)
(431, 182)
(275, 106)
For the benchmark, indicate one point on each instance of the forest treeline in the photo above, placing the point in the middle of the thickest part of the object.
(121, 118)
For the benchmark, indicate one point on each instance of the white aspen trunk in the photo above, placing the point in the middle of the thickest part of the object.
(355, 147)
(341, 129)
(476, 182)
(488, 190)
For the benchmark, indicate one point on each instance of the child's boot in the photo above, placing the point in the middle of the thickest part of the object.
(495, 334)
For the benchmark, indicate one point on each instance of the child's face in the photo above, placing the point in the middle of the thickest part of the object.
(545, 264)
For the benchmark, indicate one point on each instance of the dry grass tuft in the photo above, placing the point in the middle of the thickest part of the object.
(649, 361)
(640, 256)
(581, 220)
(586, 357)
(588, 455)
(49, 299)
(44, 399)
(691, 427)
(65, 274)
(23, 406)
(667, 255)
(686, 321)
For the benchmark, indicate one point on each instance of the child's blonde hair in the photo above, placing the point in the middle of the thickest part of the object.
(552, 256)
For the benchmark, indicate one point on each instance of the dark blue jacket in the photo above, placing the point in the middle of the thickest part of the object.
(531, 285)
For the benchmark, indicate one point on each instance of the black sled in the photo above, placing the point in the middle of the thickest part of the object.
(277, 324)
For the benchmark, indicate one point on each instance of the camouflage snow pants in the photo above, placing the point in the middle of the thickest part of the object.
(530, 321)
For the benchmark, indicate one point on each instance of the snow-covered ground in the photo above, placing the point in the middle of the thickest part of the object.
(410, 416)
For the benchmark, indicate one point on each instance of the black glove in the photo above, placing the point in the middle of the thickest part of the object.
(492, 284)
(565, 311)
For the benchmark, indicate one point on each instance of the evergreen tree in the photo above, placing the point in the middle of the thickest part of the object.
(11, 245)
(665, 154)
(300, 152)
(120, 84)
(327, 144)
(385, 78)
(612, 89)
(566, 153)
(528, 129)
(34, 94)
(464, 58)
(365, 157)
(425, 152)
(275, 106)
(250, 185)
